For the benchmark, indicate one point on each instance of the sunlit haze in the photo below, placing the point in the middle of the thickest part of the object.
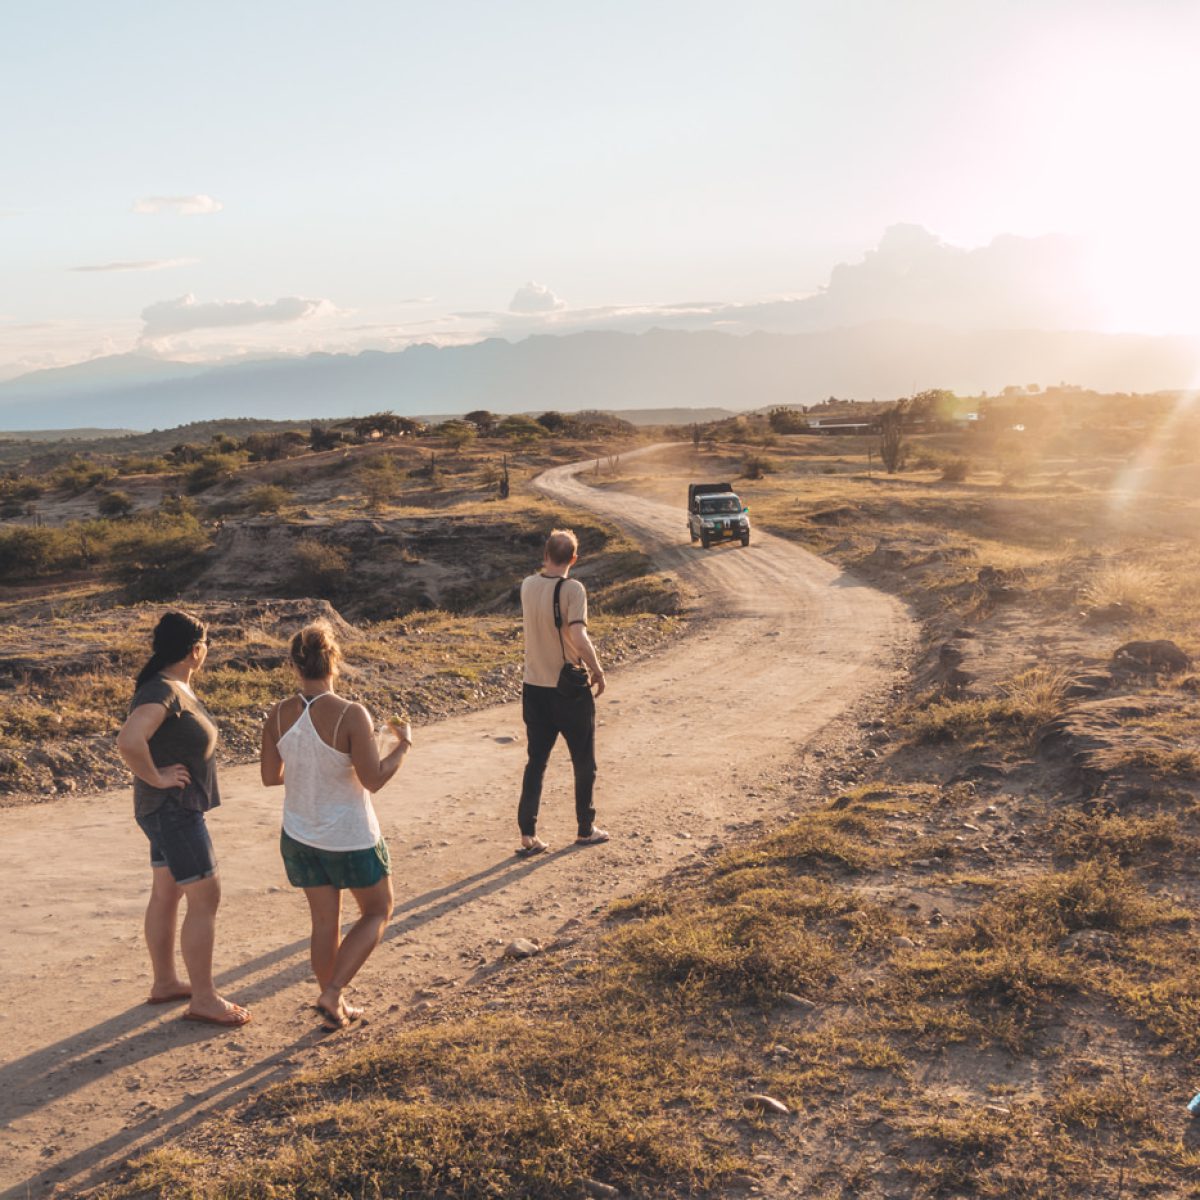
(230, 179)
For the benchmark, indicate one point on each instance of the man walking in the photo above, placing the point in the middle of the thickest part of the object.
(546, 711)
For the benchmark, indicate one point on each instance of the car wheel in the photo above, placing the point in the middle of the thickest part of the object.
(745, 539)
(704, 540)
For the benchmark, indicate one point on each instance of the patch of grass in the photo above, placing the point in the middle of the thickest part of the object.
(1136, 585)
(1024, 705)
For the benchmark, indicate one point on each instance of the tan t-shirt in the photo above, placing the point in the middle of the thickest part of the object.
(543, 655)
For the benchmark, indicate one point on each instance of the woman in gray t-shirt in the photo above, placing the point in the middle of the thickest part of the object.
(169, 742)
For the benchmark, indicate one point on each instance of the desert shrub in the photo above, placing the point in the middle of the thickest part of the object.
(139, 464)
(1135, 585)
(27, 551)
(521, 428)
(78, 474)
(270, 447)
(787, 420)
(267, 498)
(755, 466)
(211, 469)
(21, 487)
(648, 594)
(379, 480)
(456, 434)
(955, 470)
(318, 567)
(155, 557)
(115, 504)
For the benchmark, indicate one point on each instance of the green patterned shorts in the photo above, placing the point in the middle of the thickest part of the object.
(309, 867)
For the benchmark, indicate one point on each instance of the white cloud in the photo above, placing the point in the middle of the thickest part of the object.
(535, 298)
(183, 206)
(170, 317)
(155, 264)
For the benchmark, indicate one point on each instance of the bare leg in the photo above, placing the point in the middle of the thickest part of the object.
(196, 937)
(325, 907)
(375, 907)
(162, 913)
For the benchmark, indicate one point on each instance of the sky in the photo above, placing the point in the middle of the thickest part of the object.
(208, 181)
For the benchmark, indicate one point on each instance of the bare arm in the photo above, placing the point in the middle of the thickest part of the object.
(270, 762)
(577, 635)
(133, 745)
(373, 771)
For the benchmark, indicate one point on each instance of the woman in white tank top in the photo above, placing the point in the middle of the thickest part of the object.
(322, 748)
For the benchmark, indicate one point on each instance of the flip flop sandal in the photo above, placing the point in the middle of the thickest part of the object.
(538, 847)
(234, 1019)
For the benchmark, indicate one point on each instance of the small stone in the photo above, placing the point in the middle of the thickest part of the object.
(593, 1187)
(801, 1002)
(521, 948)
(903, 943)
(767, 1104)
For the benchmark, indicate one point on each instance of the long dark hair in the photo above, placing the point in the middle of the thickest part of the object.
(174, 636)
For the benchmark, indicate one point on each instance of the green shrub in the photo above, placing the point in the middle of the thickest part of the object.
(319, 568)
(211, 469)
(155, 557)
(756, 466)
(115, 504)
(267, 498)
(27, 551)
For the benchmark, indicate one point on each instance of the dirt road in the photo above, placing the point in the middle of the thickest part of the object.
(694, 745)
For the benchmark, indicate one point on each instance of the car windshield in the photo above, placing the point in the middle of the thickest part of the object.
(720, 504)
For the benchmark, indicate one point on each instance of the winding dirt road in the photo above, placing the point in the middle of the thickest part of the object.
(694, 745)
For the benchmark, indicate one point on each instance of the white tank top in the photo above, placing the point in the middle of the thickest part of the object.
(324, 803)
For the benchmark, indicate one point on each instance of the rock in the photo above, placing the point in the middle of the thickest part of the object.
(521, 948)
(1086, 687)
(800, 1002)
(1004, 594)
(903, 943)
(767, 1104)
(593, 1187)
(1091, 943)
(1151, 657)
(1108, 614)
(1190, 684)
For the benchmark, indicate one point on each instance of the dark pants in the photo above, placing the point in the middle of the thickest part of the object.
(547, 714)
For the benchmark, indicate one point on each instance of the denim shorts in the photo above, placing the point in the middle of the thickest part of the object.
(307, 866)
(179, 840)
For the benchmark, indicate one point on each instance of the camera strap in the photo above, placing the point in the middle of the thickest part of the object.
(558, 620)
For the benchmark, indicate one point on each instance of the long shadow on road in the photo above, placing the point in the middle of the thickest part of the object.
(45, 1076)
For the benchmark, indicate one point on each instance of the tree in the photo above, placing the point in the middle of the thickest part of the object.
(787, 420)
(320, 438)
(555, 422)
(892, 448)
(456, 433)
(483, 420)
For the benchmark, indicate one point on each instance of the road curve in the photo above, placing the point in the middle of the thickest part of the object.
(692, 743)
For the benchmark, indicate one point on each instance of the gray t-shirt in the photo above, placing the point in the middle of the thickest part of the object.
(188, 735)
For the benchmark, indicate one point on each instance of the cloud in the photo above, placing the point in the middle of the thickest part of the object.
(170, 317)
(535, 298)
(183, 206)
(154, 264)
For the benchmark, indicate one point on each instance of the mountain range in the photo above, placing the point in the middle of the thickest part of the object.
(595, 370)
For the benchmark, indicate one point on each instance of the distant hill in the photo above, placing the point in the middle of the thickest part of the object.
(602, 370)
